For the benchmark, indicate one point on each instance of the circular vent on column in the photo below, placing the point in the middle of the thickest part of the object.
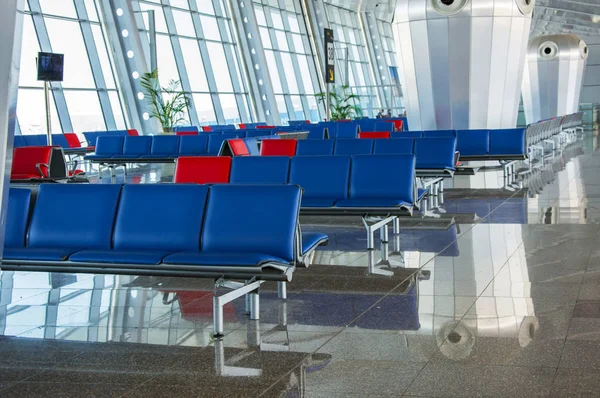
(583, 49)
(449, 7)
(526, 6)
(548, 50)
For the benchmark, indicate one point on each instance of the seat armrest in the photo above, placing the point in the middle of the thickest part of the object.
(39, 166)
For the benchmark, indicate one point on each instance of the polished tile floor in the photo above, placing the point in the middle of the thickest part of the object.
(495, 293)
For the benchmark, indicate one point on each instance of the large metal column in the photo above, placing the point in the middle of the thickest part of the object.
(553, 76)
(11, 34)
(461, 61)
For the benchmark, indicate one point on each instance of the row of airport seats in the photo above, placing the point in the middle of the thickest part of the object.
(365, 184)
(67, 140)
(161, 230)
(431, 153)
(157, 148)
(92, 136)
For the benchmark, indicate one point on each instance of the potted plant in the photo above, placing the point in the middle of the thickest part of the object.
(342, 103)
(167, 104)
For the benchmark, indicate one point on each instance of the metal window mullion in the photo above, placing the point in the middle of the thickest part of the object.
(90, 45)
(208, 68)
(254, 58)
(57, 90)
(285, 89)
(230, 57)
(294, 54)
(179, 61)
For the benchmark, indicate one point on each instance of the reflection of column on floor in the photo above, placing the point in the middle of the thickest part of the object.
(484, 291)
(6, 292)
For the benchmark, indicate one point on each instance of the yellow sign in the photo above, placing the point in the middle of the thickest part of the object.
(331, 78)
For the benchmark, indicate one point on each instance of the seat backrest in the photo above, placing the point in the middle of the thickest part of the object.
(60, 140)
(35, 140)
(165, 145)
(507, 142)
(315, 132)
(396, 146)
(17, 217)
(242, 126)
(398, 124)
(435, 153)
(407, 134)
(375, 134)
(260, 170)
(367, 124)
(73, 140)
(439, 134)
(137, 145)
(110, 145)
(252, 218)
(257, 133)
(26, 159)
(89, 223)
(174, 211)
(368, 182)
(384, 126)
(278, 148)
(202, 170)
(215, 142)
(222, 127)
(206, 129)
(315, 147)
(353, 147)
(347, 130)
(473, 142)
(91, 138)
(186, 129)
(238, 147)
(321, 177)
(181, 133)
(19, 141)
(133, 132)
(193, 145)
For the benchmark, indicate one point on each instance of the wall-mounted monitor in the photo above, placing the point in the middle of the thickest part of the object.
(50, 67)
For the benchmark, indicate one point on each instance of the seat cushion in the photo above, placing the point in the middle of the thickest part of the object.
(19, 203)
(37, 254)
(150, 257)
(318, 202)
(421, 193)
(374, 202)
(221, 259)
(311, 240)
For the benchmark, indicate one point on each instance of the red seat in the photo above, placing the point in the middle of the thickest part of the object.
(203, 170)
(206, 129)
(398, 124)
(242, 126)
(278, 148)
(31, 162)
(186, 133)
(72, 140)
(133, 132)
(265, 127)
(375, 134)
(238, 147)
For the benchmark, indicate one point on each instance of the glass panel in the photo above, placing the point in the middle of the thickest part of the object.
(31, 112)
(63, 8)
(205, 109)
(183, 23)
(29, 53)
(115, 104)
(194, 64)
(210, 28)
(230, 110)
(85, 111)
(219, 65)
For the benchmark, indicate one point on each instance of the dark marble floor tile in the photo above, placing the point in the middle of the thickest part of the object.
(581, 354)
(587, 329)
(457, 380)
(587, 309)
(65, 389)
(576, 383)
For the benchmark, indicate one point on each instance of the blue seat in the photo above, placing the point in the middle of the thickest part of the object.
(54, 236)
(186, 129)
(215, 142)
(473, 142)
(258, 133)
(107, 147)
(264, 231)
(35, 140)
(222, 127)
(383, 126)
(369, 187)
(407, 134)
(315, 147)
(175, 211)
(508, 142)
(346, 130)
(310, 241)
(439, 134)
(59, 140)
(315, 131)
(19, 141)
(435, 153)
(323, 178)
(367, 125)
(259, 170)
(92, 137)
(164, 147)
(19, 204)
(421, 193)
(395, 146)
(193, 145)
(353, 147)
(135, 147)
